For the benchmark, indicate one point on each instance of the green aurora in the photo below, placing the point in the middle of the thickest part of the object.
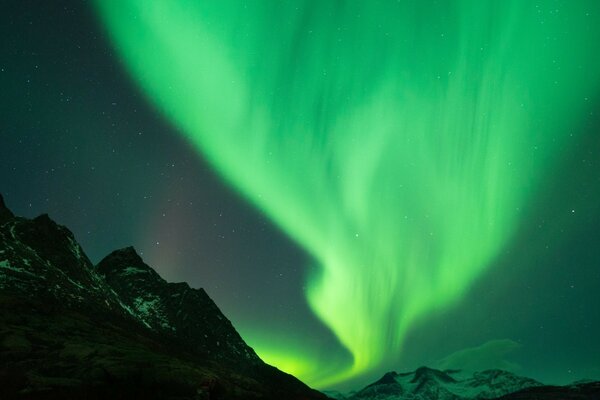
(395, 141)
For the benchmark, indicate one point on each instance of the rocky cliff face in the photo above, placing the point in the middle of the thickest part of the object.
(174, 309)
(69, 329)
(41, 260)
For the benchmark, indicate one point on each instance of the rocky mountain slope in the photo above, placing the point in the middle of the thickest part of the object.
(175, 310)
(69, 329)
(575, 391)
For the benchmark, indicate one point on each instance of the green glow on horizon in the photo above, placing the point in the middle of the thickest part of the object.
(299, 356)
(397, 142)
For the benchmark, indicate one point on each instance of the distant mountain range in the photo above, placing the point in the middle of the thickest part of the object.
(69, 329)
(431, 384)
(117, 330)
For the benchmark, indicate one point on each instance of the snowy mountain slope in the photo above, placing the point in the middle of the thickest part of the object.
(431, 384)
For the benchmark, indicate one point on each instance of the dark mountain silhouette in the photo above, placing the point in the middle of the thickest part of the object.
(69, 329)
(175, 310)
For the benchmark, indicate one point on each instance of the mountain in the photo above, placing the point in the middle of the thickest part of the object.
(431, 384)
(188, 315)
(426, 383)
(69, 329)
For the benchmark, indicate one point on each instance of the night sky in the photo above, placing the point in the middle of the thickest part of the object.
(360, 186)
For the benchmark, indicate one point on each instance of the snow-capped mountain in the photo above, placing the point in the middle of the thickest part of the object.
(69, 329)
(426, 383)
(431, 384)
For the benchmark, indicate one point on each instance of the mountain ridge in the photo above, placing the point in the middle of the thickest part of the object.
(118, 330)
(431, 384)
(174, 309)
(69, 329)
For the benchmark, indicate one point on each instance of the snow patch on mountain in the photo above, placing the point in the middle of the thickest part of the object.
(150, 310)
(426, 384)
(5, 264)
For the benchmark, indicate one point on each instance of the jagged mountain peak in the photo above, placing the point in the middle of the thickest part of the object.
(127, 252)
(386, 379)
(52, 242)
(426, 373)
(125, 261)
(427, 383)
(173, 309)
(44, 219)
(49, 229)
(5, 214)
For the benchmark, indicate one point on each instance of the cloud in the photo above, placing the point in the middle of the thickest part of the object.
(490, 355)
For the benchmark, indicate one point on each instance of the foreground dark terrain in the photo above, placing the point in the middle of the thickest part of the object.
(69, 329)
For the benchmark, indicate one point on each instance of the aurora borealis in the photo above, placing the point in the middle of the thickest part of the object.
(402, 146)
(401, 173)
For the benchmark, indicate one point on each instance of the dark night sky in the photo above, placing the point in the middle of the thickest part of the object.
(81, 142)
